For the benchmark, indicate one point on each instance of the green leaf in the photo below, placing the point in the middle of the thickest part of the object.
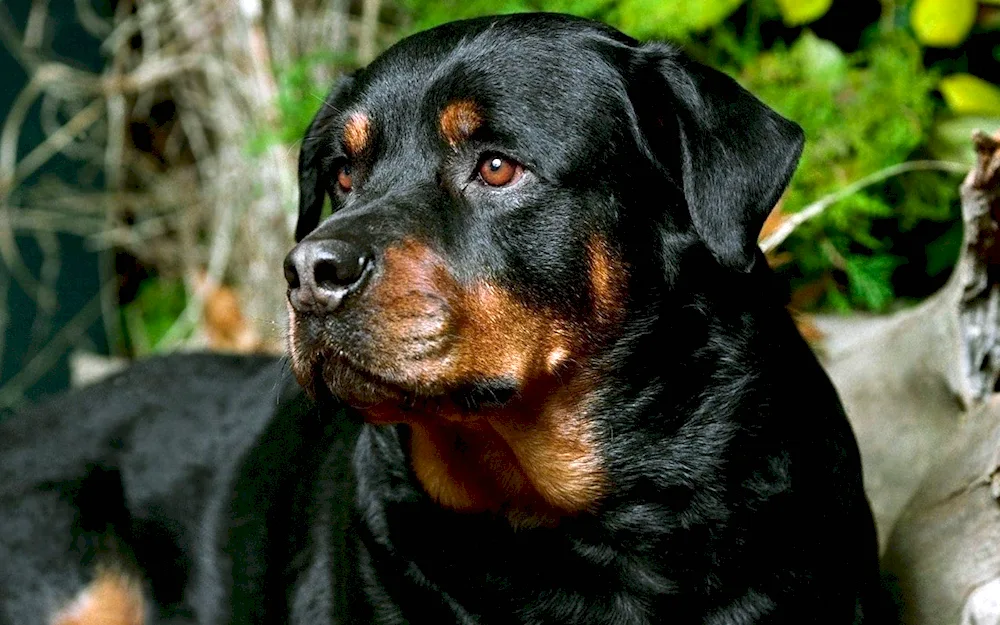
(799, 12)
(158, 304)
(943, 23)
(821, 60)
(870, 279)
(678, 19)
(942, 252)
(966, 94)
(836, 300)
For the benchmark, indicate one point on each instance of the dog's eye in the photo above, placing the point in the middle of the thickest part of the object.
(344, 178)
(498, 171)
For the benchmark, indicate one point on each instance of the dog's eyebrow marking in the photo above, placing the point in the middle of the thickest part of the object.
(458, 120)
(357, 133)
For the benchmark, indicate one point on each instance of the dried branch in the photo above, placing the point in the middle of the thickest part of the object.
(794, 220)
(70, 334)
(369, 31)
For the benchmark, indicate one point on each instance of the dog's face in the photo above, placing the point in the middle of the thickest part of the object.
(508, 195)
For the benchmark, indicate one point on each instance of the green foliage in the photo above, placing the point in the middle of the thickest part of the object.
(870, 279)
(968, 95)
(861, 113)
(950, 138)
(643, 19)
(156, 307)
(799, 12)
(300, 95)
(646, 19)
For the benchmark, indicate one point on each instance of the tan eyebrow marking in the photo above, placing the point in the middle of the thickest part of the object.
(357, 133)
(459, 120)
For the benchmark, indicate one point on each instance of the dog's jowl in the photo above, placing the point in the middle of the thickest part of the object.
(548, 377)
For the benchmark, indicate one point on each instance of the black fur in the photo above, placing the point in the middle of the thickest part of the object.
(736, 493)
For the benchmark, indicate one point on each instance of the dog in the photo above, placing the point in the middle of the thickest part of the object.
(539, 373)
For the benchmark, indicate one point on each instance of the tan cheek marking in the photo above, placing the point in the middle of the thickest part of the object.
(112, 599)
(410, 299)
(538, 456)
(459, 120)
(412, 271)
(608, 277)
(496, 335)
(357, 133)
(503, 338)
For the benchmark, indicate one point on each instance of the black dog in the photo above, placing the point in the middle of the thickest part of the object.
(575, 394)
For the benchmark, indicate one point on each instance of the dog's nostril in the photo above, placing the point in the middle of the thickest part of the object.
(291, 274)
(339, 272)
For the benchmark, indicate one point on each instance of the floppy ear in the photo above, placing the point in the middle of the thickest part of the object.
(315, 146)
(736, 154)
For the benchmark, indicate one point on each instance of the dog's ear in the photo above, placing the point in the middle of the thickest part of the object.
(735, 157)
(316, 145)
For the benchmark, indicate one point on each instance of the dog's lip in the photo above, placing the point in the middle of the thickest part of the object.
(341, 358)
(386, 400)
(381, 390)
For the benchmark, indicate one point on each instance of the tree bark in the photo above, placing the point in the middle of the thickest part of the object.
(920, 389)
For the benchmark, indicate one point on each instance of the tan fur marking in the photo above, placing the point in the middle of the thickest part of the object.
(607, 281)
(464, 468)
(556, 448)
(536, 461)
(491, 334)
(357, 133)
(459, 120)
(556, 358)
(502, 338)
(535, 458)
(112, 599)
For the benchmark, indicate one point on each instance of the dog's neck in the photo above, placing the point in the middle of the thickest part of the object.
(673, 397)
(533, 460)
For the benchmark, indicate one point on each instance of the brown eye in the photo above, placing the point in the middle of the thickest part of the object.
(497, 171)
(344, 178)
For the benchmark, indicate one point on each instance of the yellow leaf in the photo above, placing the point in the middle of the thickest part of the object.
(799, 12)
(968, 95)
(943, 23)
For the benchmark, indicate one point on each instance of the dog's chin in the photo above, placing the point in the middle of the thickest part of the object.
(383, 399)
(334, 375)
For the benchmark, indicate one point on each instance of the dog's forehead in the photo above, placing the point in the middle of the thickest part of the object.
(516, 68)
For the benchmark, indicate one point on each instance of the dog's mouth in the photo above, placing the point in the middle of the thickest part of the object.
(492, 396)
(417, 342)
(383, 398)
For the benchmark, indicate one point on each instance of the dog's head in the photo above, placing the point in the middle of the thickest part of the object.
(508, 194)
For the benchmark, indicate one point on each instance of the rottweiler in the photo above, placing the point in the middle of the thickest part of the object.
(539, 372)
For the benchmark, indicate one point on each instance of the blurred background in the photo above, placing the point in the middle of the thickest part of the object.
(148, 150)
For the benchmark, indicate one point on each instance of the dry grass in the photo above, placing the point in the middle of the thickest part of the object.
(188, 198)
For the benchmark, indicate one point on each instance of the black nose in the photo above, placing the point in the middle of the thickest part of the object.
(321, 273)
